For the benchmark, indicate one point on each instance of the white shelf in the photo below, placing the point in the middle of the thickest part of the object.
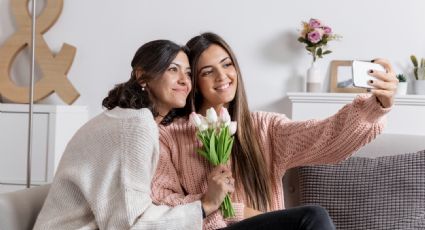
(38, 108)
(406, 117)
(345, 98)
(53, 127)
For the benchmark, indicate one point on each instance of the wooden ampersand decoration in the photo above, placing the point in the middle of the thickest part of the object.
(54, 68)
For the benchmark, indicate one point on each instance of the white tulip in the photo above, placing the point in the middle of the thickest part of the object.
(204, 123)
(224, 116)
(195, 119)
(203, 127)
(233, 126)
(211, 116)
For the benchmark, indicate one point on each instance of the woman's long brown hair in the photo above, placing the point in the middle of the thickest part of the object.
(248, 163)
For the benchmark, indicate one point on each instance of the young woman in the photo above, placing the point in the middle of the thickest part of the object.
(266, 144)
(104, 177)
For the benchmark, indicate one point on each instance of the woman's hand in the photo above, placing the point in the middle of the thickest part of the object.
(386, 83)
(250, 212)
(220, 183)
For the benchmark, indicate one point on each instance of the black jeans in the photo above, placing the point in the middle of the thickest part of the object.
(303, 217)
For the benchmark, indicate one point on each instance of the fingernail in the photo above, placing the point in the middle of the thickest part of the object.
(370, 81)
(373, 60)
(370, 71)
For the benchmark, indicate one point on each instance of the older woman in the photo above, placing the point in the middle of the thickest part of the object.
(104, 177)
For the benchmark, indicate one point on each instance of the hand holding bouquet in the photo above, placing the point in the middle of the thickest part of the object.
(216, 134)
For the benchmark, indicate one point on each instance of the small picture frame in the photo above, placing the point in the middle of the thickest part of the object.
(341, 78)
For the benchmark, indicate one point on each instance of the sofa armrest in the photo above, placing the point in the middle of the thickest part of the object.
(19, 210)
(291, 188)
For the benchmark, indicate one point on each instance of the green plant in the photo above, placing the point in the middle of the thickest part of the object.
(401, 78)
(417, 65)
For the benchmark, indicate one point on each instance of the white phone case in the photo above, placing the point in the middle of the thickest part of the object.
(361, 73)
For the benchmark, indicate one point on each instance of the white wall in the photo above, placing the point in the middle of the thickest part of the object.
(262, 34)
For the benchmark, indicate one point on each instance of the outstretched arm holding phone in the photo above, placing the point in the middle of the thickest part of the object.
(380, 80)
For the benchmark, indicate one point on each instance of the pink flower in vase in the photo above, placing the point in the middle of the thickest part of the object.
(314, 23)
(315, 36)
(327, 30)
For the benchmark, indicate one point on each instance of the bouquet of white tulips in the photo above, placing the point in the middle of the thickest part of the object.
(216, 134)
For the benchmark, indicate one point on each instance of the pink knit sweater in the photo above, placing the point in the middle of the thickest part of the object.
(181, 175)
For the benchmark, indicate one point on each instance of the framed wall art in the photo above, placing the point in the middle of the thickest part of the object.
(341, 78)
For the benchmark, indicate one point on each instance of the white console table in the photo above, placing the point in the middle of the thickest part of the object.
(406, 117)
(53, 127)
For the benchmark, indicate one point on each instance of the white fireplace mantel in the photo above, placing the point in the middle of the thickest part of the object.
(406, 117)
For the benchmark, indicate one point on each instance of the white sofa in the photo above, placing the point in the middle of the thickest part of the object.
(19, 210)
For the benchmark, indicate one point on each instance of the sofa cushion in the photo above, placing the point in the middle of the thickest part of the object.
(19, 209)
(369, 193)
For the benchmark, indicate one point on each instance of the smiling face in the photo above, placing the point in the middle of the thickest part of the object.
(217, 77)
(172, 88)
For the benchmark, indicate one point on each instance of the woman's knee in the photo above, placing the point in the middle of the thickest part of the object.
(318, 216)
(315, 210)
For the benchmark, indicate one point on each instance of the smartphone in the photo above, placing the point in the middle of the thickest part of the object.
(361, 73)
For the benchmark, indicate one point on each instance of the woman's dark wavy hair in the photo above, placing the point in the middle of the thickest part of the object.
(248, 163)
(152, 59)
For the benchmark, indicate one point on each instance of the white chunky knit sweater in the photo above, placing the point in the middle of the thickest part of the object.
(104, 177)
